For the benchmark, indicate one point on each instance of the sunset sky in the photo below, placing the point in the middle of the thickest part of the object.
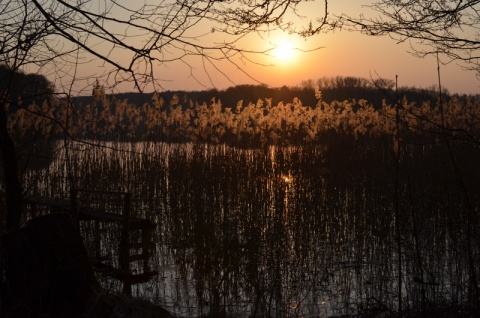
(346, 54)
(339, 53)
(353, 54)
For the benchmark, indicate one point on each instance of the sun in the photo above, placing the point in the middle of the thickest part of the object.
(284, 51)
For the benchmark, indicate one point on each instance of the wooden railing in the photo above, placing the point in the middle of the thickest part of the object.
(132, 267)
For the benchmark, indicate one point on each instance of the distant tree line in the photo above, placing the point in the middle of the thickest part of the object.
(337, 88)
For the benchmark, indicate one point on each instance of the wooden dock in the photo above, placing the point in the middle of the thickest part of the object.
(135, 244)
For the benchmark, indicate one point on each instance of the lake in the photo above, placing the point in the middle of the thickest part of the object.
(351, 227)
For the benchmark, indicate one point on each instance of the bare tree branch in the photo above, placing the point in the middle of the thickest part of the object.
(448, 27)
(132, 38)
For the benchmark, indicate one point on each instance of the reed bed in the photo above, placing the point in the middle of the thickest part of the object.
(290, 231)
(286, 210)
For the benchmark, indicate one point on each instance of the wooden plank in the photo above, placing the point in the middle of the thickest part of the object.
(138, 257)
(87, 213)
(103, 192)
(142, 245)
(140, 278)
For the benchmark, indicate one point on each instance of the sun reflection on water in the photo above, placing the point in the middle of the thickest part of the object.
(287, 178)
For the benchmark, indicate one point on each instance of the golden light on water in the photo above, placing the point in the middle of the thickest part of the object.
(287, 178)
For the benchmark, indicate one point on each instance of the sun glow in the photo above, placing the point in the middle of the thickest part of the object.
(284, 51)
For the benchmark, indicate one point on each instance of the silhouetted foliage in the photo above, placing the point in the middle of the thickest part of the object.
(24, 89)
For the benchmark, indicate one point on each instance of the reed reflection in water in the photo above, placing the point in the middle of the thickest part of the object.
(292, 231)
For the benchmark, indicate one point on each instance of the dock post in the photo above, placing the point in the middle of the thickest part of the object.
(124, 246)
(74, 207)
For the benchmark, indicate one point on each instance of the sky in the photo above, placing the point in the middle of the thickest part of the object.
(338, 53)
(344, 53)
(353, 54)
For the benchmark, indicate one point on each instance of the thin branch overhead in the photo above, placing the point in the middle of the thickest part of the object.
(450, 28)
(132, 38)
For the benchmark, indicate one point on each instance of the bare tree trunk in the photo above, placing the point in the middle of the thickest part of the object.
(13, 187)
